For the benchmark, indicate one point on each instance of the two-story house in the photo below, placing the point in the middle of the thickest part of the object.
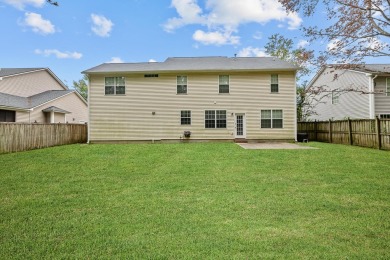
(214, 98)
(36, 95)
(354, 91)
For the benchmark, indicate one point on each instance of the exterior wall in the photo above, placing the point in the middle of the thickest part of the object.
(130, 117)
(70, 102)
(29, 84)
(351, 104)
(382, 101)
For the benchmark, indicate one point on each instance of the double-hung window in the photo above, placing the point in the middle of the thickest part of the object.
(274, 83)
(223, 84)
(185, 117)
(115, 86)
(388, 87)
(215, 119)
(272, 118)
(181, 84)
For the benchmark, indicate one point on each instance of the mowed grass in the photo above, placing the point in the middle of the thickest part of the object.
(195, 201)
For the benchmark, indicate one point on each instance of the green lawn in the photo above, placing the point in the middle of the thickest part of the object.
(195, 201)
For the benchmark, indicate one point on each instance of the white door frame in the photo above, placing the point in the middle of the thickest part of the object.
(243, 125)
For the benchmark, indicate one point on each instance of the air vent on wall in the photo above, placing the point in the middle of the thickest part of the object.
(151, 75)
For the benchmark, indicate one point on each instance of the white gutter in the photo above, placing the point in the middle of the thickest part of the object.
(89, 111)
(295, 107)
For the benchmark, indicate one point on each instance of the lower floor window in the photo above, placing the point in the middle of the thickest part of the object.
(384, 116)
(271, 118)
(215, 119)
(185, 117)
(7, 116)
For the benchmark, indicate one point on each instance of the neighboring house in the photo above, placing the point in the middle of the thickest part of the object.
(357, 92)
(215, 98)
(36, 95)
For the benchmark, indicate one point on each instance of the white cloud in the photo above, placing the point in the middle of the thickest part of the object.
(215, 38)
(225, 16)
(59, 54)
(302, 43)
(252, 52)
(21, 4)
(334, 46)
(152, 60)
(38, 24)
(101, 25)
(115, 60)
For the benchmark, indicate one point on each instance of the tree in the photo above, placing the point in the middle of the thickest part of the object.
(283, 48)
(82, 87)
(358, 28)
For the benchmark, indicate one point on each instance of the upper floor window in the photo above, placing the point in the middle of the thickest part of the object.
(215, 119)
(271, 118)
(388, 87)
(185, 117)
(335, 97)
(181, 84)
(224, 84)
(115, 86)
(274, 83)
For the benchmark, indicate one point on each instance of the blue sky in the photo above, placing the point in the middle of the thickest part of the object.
(79, 35)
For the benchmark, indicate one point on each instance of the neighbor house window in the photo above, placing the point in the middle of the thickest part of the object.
(115, 86)
(384, 116)
(215, 119)
(274, 83)
(7, 116)
(335, 97)
(181, 84)
(387, 86)
(224, 84)
(271, 118)
(185, 117)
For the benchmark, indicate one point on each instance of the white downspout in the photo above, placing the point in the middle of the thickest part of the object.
(371, 95)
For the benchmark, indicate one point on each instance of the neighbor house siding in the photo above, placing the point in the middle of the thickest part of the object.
(351, 104)
(28, 84)
(70, 102)
(382, 101)
(130, 116)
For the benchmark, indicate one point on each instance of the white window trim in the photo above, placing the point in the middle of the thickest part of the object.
(185, 117)
(177, 84)
(335, 98)
(114, 94)
(387, 87)
(270, 85)
(272, 127)
(215, 119)
(219, 83)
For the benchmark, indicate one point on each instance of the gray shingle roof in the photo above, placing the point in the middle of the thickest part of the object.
(374, 68)
(12, 71)
(198, 64)
(12, 101)
(55, 109)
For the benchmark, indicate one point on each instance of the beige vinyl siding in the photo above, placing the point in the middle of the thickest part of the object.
(382, 101)
(351, 104)
(71, 103)
(129, 117)
(28, 84)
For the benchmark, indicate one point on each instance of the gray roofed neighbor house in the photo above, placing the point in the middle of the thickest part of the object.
(17, 102)
(12, 71)
(198, 64)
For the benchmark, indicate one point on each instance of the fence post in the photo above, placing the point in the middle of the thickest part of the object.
(330, 131)
(315, 130)
(378, 132)
(350, 131)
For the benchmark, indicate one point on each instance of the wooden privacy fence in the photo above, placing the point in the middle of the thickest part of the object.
(361, 132)
(16, 137)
